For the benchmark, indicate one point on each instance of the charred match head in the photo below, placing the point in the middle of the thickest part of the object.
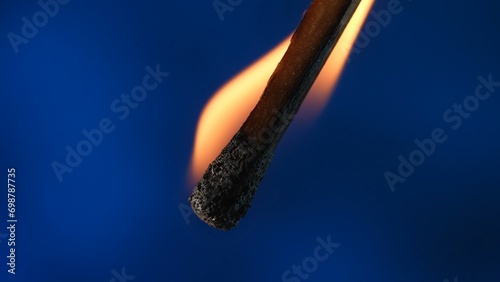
(228, 186)
(223, 195)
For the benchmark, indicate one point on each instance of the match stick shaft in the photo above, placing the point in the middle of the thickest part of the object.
(223, 195)
(309, 49)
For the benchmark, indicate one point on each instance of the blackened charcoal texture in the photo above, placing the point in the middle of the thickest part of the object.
(223, 196)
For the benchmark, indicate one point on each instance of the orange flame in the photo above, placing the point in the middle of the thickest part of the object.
(232, 103)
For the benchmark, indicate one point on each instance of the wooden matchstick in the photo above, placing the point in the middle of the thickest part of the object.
(223, 195)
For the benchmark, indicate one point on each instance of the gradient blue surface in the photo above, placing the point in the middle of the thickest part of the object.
(122, 207)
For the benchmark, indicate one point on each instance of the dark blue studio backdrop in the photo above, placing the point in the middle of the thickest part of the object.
(397, 180)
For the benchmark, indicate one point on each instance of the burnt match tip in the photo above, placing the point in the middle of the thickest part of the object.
(223, 195)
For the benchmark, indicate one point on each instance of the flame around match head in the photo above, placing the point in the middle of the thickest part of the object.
(232, 103)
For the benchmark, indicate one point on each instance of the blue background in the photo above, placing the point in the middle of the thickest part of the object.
(122, 207)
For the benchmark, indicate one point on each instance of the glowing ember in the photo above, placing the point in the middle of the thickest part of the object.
(231, 104)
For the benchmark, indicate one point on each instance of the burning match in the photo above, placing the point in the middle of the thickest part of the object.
(223, 195)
